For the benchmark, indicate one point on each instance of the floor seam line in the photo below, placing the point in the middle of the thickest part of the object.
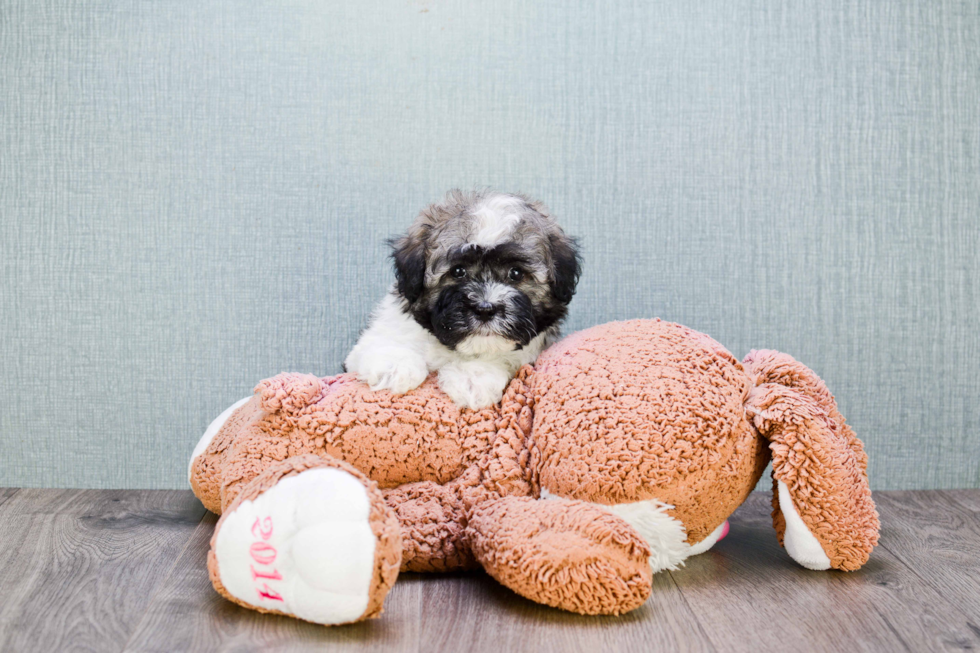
(915, 573)
(673, 581)
(938, 590)
(892, 628)
(956, 501)
(163, 580)
(10, 496)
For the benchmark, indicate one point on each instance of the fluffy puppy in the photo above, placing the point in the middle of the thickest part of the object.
(482, 281)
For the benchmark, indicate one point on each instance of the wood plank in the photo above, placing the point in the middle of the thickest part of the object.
(104, 569)
(473, 613)
(188, 615)
(78, 567)
(6, 493)
(105, 504)
(969, 499)
(750, 596)
(939, 539)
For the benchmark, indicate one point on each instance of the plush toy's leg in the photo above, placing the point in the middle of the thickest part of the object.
(567, 554)
(207, 462)
(310, 538)
(432, 520)
(822, 507)
(216, 424)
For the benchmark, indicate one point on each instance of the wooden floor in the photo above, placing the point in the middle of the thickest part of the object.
(124, 570)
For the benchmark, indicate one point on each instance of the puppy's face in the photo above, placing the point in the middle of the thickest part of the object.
(486, 272)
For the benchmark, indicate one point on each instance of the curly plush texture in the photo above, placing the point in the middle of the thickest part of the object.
(644, 409)
(816, 454)
(567, 554)
(622, 413)
(434, 523)
(394, 440)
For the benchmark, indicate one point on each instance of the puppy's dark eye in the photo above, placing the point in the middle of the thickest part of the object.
(459, 272)
(515, 274)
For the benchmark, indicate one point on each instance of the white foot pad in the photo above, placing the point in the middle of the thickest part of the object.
(800, 543)
(212, 431)
(303, 547)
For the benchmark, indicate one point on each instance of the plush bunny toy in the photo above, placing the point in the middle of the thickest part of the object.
(620, 453)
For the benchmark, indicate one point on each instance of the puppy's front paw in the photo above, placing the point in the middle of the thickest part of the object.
(391, 369)
(473, 384)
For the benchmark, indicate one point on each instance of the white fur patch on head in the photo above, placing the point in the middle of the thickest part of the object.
(799, 542)
(496, 220)
(495, 293)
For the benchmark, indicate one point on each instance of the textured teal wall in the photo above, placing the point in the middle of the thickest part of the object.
(193, 196)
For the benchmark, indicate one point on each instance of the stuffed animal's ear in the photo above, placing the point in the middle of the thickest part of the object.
(823, 511)
(567, 267)
(408, 254)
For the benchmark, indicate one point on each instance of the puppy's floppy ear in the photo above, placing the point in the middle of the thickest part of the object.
(408, 254)
(567, 266)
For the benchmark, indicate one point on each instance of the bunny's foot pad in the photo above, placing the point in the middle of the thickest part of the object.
(800, 543)
(308, 538)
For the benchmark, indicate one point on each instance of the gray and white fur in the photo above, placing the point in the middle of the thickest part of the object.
(482, 282)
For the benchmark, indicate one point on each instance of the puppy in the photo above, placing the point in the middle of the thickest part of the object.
(482, 282)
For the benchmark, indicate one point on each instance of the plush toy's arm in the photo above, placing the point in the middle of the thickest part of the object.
(822, 507)
(432, 521)
(566, 554)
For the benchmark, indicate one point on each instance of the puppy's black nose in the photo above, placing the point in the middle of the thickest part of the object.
(485, 310)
